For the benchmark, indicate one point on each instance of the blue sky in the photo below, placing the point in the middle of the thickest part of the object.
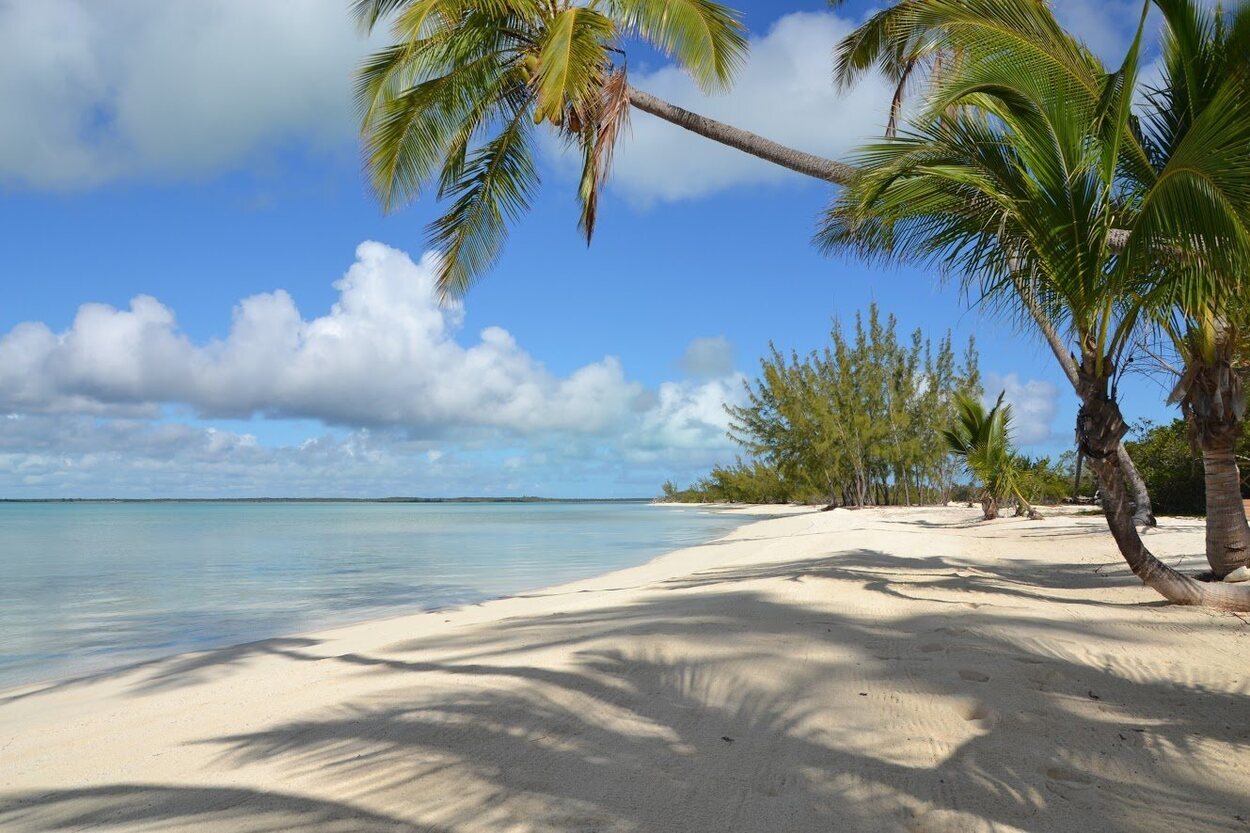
(199, 155)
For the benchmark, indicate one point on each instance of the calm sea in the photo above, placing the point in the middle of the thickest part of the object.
(88, 586)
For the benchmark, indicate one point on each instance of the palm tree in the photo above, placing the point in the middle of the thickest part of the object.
(917, 41)
(981, 439)
(1012, 176)
(457, 98)
(1197, 140)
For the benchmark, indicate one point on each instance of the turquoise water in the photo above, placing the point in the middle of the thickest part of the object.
(88, 586)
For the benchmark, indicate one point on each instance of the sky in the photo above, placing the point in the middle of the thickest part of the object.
(203, 299)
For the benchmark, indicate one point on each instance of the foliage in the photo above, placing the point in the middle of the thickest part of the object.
(855, 423)
(1166, 457)
(456, 99)
(981, 440)
(1044, 482)
(743, 482)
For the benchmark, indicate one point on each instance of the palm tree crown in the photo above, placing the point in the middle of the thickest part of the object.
(456, 100)
(982, 440)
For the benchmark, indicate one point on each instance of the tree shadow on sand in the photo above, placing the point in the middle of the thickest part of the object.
(711, 704)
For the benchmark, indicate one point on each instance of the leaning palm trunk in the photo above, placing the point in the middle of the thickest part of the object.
(1213, 404)
(744, 140)
(1100, 428)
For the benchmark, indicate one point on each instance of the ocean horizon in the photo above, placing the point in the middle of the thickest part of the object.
(96, 584)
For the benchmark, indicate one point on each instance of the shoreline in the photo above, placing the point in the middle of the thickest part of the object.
(81, 677)
(878, 670)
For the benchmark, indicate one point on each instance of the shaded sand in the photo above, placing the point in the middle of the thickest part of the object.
(900, 670)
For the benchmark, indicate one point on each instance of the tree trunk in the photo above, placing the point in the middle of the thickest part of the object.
(1213, 402)
(1100, 427)
(1228, 535)
(989, 506)
(809, 164)
(1143, 510)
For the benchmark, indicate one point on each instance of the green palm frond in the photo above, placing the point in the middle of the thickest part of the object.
(444, 102)
(706, 38)
(981, 440)
(493, 189)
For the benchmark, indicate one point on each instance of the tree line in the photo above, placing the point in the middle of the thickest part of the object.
(853, 423)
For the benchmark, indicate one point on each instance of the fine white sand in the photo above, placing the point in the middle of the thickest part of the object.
(892, 670)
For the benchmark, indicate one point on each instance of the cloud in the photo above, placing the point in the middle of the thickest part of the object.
(132, 89)
(96, 91)
(708, 358)
(385, 355)
(385, 363)
(1034, 404)
(785, 93)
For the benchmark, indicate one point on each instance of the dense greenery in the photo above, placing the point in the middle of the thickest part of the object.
(1173, 467)
(980, 439)
(855, 423)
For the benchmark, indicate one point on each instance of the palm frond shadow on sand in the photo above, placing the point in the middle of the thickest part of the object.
(655, 724)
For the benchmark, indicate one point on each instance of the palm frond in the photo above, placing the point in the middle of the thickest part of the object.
(705, 37)
(493, 189)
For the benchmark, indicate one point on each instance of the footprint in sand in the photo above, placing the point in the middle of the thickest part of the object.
(1069, 777)
(977, 713)
(1070, 785)
(973, 676)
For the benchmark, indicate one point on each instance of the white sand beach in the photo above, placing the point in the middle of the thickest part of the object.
(881, 670)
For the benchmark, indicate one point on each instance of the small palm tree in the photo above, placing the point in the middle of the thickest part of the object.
(456, 101)
(981, 440)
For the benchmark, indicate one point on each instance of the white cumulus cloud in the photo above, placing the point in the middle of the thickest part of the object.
(387, 363)
(95, 91)
(385, 354)
(1034, 403)
(785, 93)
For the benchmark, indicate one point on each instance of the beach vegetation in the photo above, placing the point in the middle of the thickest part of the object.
(980, 438)
(851, 424)
(1019, 174)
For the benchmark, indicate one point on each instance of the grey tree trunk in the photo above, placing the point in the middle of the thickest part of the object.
(830, 170)
(989, 507)
(1100, 428)
(1228, 535)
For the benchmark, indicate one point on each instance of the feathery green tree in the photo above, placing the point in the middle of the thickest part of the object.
(852, 423)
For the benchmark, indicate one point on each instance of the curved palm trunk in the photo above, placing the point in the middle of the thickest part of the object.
(1100, 427)
(809, 164)
(1213, 405)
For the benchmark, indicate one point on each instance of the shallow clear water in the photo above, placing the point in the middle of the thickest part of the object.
(87, 586)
